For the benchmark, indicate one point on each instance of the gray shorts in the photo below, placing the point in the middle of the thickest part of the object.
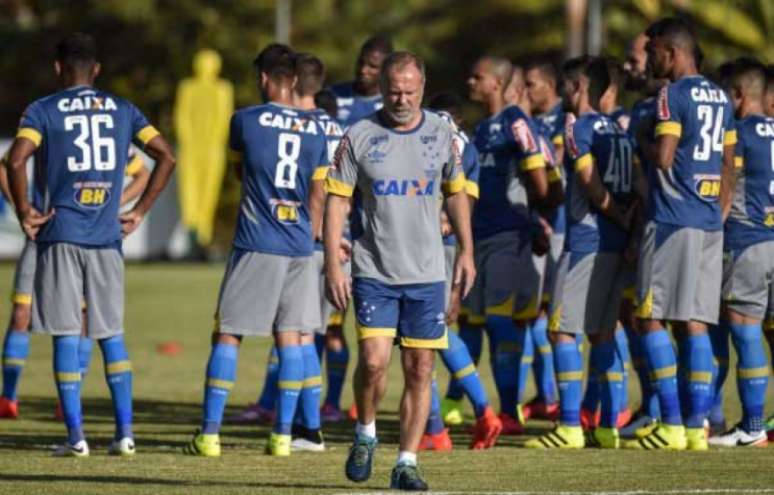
(679, 274)
(747, 278)
(329, 315)
(587, 293)
(556, 247)
(509, 279)
(263, 293)
(24, 278)
(67, 276)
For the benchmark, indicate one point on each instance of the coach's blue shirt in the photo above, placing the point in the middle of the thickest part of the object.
(280, 149)
(82, 136)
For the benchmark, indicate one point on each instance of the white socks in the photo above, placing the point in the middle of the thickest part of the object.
(366, 430)
(406, 457)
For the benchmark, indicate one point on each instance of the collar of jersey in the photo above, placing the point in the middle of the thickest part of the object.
(410, 131)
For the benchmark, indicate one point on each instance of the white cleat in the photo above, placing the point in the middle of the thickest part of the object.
(304, 445)
(123, 447)
(737, 437)
(80, 449)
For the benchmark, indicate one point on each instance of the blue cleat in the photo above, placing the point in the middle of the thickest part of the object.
(360, 459)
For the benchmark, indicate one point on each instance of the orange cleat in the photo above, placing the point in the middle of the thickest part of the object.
(352, 413)
(9, 409)
(589, 419)
(58, 412)
(624, 417)
(440, 442)
(538, 409)
(488, 428)
(511, 425)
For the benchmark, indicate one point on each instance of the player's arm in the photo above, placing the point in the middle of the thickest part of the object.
(668, 128)
(597, 193)
(555, 193)
(4, 186)
(638, 219)
(458, 211)
(728, 174)
(317, 200)
(139, 175)
(30, 219)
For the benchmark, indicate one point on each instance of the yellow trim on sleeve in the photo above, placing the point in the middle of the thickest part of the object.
(224, 384)
(234, 155)
(147, 133)
(729, 138)
(320, 172)
(471, 189)
(554, 174)
(371, 332)
(533, 162)
(455, 185)
(31, 134)
(558, 140)
(439, 343)
(738, 161)
(118, 367)
(134, 165)
(583, 161)
(65, 377)
(290, 384)
(669, 128)
(337, 187)
(25, 299)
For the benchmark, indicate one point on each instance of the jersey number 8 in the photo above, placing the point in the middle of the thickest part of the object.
(91, 152)
(289, 149)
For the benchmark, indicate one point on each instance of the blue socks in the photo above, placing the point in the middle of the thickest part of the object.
(640, 363)
(291, 377)
(118, 373)
(311, 388)
(434, 420)
(473, 338)
(526, 358)
(457, 359)
(719, 338)
(591, 396)
(660, 356)
(68, 383)
(221, 374)
(268, 397)
(752, 374)
(569, 379)
(506, 362)
(544, 361)
(85, 346)
(16, 348)
(319, 344)
(336, 367)
(622, 348)
(697, 361)
(610, 372)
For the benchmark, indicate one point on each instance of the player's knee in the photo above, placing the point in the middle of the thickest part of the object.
(224, 338)
(21, 316)
(418, 366)
(557, 338)
(373, 368)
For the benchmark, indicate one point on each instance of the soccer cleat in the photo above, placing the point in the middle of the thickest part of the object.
(204, 445)
(538, 409)
(9, 409)
(79, 449)
(253, 413)
(406, 477)
(637, 422)
(330, 413)
(308, 441)
(488, 428)
(352, 413)
(589, 419)
(646, 429)
(717, 428)
(696, 438)
(663, 437)
(451, 411)
(737, 437)
(603, 438)
(279, 445)
(561, 437)
(123, 447)
(624, 417)
(769, 426)
(360, 459)
(511, 425)
(440, 442)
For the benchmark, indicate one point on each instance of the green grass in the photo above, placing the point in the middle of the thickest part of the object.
(175, 303)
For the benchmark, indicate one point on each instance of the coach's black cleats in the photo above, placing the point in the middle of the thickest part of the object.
(360, 459)
(406, 477)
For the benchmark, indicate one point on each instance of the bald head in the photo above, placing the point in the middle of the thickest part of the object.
(489, 78)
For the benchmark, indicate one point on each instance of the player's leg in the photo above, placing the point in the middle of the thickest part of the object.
(719, 337)
(376, 318)
(336, 363)
(16, 344)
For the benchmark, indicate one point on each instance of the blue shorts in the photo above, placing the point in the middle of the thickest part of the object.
(413, 312)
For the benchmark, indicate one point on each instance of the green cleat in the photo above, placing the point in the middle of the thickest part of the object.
(561, 437)
(663, 437)
(204, 445)
(451, 411)
(604, 438)
(696, 439)
(406, 477)
(279, 445)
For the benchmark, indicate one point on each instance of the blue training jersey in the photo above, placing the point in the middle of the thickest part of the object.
(471, 168)
(280, 149)
(594, 140)
(82, 136)
(558, 218)
(699, 113)
(642, 123)
(752, 212)
(551, 124)
(353, 107)
(333, 134)
(508, 148)
(621, 117)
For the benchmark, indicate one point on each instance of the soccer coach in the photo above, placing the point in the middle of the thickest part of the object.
(399, 160)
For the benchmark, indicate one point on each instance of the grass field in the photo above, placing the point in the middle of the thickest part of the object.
(175, 303)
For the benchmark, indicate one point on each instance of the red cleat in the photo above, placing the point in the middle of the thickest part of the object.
(538, 409)
(589, 419)
(330, 413)
(9, 409)
(58, 412)
(511, 425)
(352, 413)
(624, 417)
(440, 442)
(488, 428)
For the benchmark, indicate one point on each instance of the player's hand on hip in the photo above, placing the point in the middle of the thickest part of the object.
(130, 221)
(345, 250)
(464, 271)
(338, 288)
(32, 220)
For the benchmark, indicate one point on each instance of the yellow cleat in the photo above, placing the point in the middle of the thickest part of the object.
(204, 445)
(279, 445)
(664, 437)
(561, 437)
(451, 411)
(696, 439)
(646, 430)
(604, 438)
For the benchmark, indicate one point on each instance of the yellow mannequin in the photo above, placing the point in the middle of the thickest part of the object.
(203, 108)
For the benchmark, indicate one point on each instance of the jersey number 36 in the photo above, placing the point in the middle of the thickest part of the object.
(96, 151)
